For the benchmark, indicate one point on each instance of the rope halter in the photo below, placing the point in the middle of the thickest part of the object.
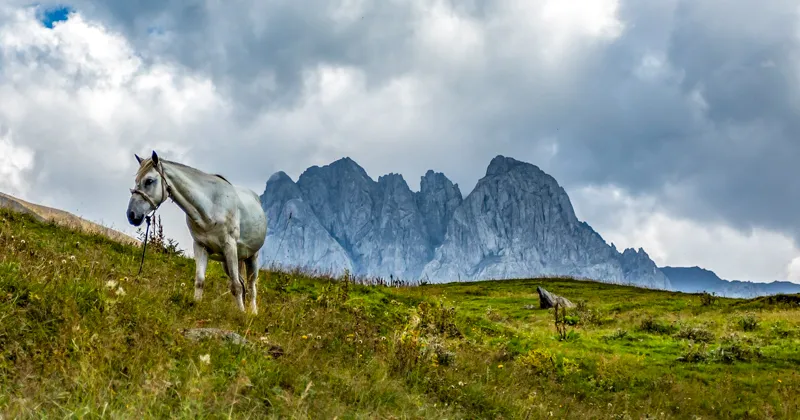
(165, 189)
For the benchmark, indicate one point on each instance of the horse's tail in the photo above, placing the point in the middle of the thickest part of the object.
(242, 268)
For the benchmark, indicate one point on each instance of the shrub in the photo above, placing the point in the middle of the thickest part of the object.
(436, 318)
(589, 316)
(748, 322)
(561, 321)
(708, 299)
(699, 334)
(695, 353)
(493, 315)
(157, 241)
(618, 334)
(734, 348)
(654, 326)
(781, 329)
(538, 361)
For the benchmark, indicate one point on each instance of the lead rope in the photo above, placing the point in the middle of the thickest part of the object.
(144, 248)
(166, 188)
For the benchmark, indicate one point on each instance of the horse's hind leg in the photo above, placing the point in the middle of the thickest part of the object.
(242, 282)
(252, 277)
(232, 266)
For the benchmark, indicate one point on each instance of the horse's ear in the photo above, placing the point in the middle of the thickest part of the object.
(155, 157)
(138, 159)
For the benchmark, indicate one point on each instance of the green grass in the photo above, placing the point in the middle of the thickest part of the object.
(82, 336)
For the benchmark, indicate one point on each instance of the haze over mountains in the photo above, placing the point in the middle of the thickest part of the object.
(696, 279)
(517, 222)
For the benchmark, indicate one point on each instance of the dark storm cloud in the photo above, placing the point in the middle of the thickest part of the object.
(713, 111)
(739, 159)
(241, 42)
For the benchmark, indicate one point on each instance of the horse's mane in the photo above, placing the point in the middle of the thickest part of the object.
(147, 165)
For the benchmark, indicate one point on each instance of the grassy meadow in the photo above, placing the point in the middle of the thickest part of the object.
(82, 336)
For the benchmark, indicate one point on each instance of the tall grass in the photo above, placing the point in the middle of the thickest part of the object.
(82, 336)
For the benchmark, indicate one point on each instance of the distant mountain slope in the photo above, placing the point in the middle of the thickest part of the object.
(62, 218)
(696, 280)
(517, 222)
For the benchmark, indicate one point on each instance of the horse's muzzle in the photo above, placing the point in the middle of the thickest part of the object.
(133, 219)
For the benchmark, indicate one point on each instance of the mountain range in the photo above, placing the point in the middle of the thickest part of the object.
(517, 222)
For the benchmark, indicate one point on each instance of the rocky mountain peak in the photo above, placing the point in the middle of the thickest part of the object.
(437, 199)
(500, 165)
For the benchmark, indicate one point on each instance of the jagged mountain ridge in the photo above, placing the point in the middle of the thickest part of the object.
(517, 222)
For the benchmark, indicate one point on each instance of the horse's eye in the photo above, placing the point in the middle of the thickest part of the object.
(149, 181)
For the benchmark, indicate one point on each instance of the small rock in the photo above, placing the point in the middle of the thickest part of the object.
(196, 334)
(200, 333)
(548, 300)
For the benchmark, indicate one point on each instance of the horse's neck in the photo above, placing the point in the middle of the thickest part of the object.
(188, 193)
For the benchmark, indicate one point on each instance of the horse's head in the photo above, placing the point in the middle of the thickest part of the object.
(150, 189)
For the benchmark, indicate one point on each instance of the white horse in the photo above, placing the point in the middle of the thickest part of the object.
(226, 222)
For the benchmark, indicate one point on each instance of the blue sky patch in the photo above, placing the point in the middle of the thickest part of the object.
(49, 16)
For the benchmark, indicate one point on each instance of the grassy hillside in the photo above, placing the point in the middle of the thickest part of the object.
(62, 218)
(81, 335)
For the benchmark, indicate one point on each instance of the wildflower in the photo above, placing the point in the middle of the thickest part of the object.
(63, 261)
(206, 358)
(319, 337)
(120, 291)
(72, 258)
(183, 284)
(780, 381)
(22, 242)
(111, 284)
(305, 337)
(264, 339)
(499, 366)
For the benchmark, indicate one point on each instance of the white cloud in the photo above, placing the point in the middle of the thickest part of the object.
(794, 270)
(633, 222)
(553, 32)
(81, 102)
(15, 162)
(448, 35)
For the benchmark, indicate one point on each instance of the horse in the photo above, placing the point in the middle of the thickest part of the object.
(225, 221)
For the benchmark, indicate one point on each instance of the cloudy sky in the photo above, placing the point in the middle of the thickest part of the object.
(673, 125)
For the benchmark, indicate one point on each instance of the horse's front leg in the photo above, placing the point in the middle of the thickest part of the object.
(201, 263)
(232, 266)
